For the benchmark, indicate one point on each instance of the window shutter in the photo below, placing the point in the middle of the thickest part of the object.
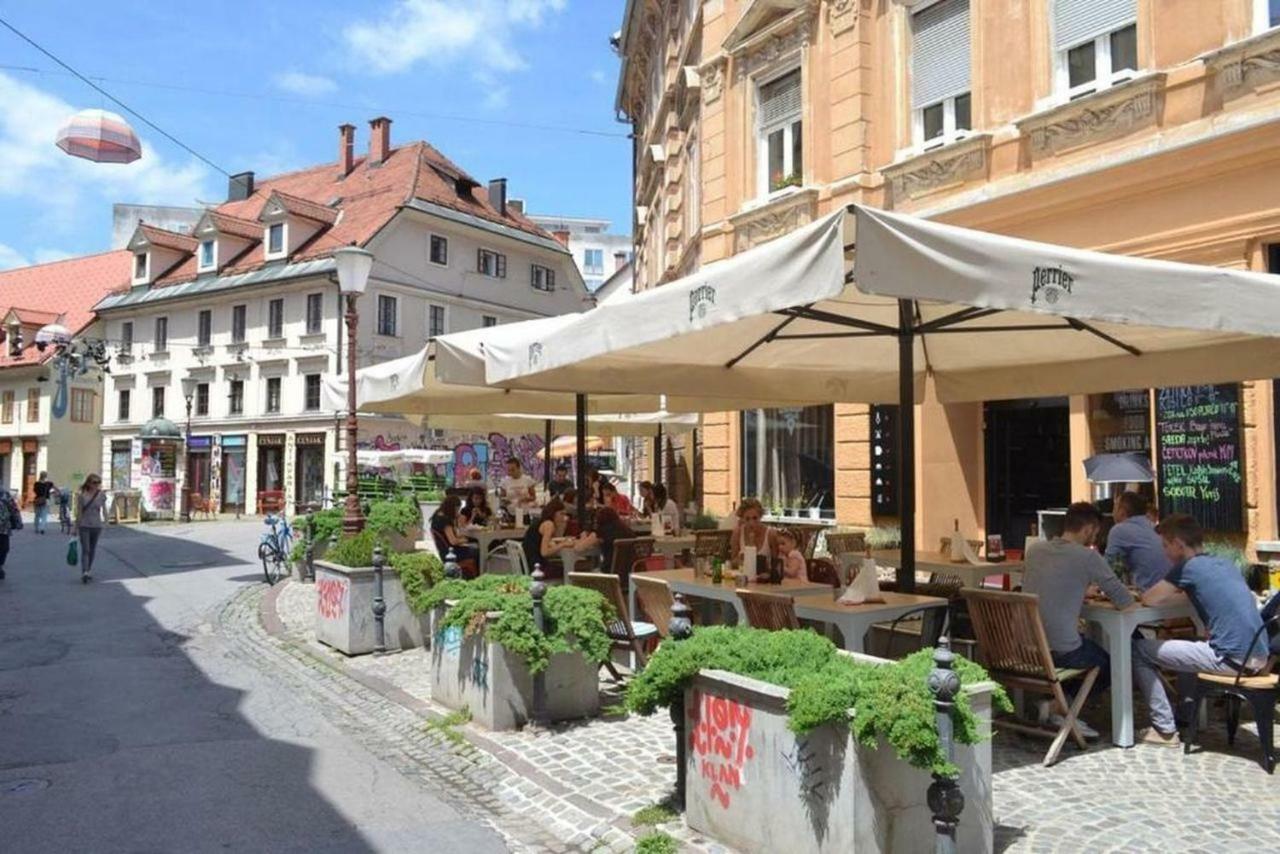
(501, 266)
(940, 52)
(780, 100)
(480, 260)
(1076, 21)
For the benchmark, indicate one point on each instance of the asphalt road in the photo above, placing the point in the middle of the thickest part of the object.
(126, 723)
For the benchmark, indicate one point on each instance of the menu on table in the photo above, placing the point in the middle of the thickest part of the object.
(1199, 441)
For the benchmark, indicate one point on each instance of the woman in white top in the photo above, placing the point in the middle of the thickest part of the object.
(667, 509)
(752, 531)
(91, 518)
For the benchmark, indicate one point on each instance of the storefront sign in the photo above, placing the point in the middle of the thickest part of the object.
(1120, 422)
(234, 441)
(310, 439)
(1199, 443)
(200, 443)
(270, 440)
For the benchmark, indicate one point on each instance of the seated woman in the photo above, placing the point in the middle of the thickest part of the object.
(610, 527)
(477, 511)
(667, 509)
(793, 563)
(444, 530)
(751, 530)
(611, 497)
(543, 548)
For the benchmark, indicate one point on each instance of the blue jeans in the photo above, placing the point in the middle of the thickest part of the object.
(42, 517)
(1088, 654)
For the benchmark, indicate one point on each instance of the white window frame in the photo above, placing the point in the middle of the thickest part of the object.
(377, 316)
(201, 315)
(124, 396)
(196, 408)
(276, 334)
(548, 278)
(284, 241)
(201, 265)
(278, 379)
(950, 133)
(160, 346)
(499, 263)
(1103, 77)
(319, 327)
(1262, 16)
(126, 341)
(587, 269)
(146, 268)
(306, 403)
(433, 237)
(788, 128)
(444, 319)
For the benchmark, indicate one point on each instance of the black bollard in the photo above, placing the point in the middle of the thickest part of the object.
(537, 590)
(945, 798)
(379, 604)
(451, 566)
(309, 556)
(680, 628)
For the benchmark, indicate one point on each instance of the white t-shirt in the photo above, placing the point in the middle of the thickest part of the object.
(670, 514)
(516, 490)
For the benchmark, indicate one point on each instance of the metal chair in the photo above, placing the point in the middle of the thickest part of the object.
(622, 631)
(712, 544)
(1015, 650)
(1261, 691)
(516, 556)
(653, 597)
(772, 611)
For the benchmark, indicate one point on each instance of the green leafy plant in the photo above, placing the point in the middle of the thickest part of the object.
(890, 701)
(418, 571)
(703, 522)
(394, 516)
(326, 523)
(884, 537)
(792, 180)
(653, 815)
(353, 550)
(657, 843)
(575, 617)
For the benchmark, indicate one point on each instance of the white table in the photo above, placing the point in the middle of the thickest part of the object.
(487, 537)
(854, 621)
(1116, 628)
(683, 581)
(673, 547)
(972, 574)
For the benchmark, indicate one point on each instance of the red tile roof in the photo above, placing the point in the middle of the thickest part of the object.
(234, 226)
(169, 239)
(361, 203)
(67, 289)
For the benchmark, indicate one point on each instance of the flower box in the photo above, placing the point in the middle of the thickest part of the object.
(344, 610)
(755, 785)
(496, 686)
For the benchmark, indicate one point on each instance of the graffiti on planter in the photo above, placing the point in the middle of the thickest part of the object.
(331, 598)
(480, 672)
(450, 639)
(719, 729)
(799, 759)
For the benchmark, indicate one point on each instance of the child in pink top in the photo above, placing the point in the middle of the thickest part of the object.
(793, 564)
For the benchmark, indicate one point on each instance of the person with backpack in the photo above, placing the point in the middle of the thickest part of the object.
(41, 492)
(10, 521)
(91, 518)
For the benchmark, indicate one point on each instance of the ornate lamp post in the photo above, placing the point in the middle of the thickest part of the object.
(188, 391)
(354, 265)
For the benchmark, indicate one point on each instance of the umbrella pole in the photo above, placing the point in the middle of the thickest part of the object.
(581, 427)
(657, 456)
(546, 456)
(907, 445)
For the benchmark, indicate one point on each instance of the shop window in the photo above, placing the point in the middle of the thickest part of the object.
(940, 63)
(788, 459)
(121, 465)
(1095, 45)
(82, 406)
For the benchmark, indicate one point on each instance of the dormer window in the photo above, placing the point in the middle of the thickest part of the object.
(275, 240)
(208, 255)
(140, 264)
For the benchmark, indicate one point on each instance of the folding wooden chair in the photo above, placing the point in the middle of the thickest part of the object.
(1013, 646)
(622, 631)
(629, 555)
(654, 599)
(771, 611)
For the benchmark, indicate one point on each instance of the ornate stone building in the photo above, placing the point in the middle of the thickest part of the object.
(1145, 127)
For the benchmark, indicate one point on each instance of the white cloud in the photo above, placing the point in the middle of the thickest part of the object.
(484, 33)
(599, 76)
(306, 85)
(10, 258)
(66, 192)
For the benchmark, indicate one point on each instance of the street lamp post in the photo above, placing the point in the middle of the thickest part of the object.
(354, 265)
(188, 391)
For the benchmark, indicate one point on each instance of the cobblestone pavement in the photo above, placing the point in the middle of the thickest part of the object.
(1106, 799)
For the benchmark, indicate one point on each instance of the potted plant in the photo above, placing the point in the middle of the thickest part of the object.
(791, 744)
(397, 521)
(327, 522)
(345, 590)
(486, 649)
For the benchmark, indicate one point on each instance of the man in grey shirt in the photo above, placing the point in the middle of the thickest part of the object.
(1061, 571)
(1134, 541)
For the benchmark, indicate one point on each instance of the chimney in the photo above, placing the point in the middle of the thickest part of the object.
(516, 205)
(562, 236)
(239, 186)
(619, 260)
(498, 195)
(346, 148)
(379, 139)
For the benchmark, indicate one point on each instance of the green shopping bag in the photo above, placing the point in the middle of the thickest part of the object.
(73, 552)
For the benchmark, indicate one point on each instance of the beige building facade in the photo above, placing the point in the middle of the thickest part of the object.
(1142, 127)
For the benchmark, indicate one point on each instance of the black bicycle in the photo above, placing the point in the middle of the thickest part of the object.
(274, 549)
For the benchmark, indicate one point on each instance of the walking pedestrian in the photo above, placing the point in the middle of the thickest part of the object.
(8, 513)
(91, 518)
(41, 491)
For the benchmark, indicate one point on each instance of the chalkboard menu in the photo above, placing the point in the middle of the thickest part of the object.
(1199, 442)
(884, 460)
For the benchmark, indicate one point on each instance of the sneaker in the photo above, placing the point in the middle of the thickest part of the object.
(1085, 730)
(84, 578)
(1151, 735)
(1, 573)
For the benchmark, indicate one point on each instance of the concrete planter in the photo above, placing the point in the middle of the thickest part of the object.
(344, 610)
(755, 785)
(495, 685)
(407, 542)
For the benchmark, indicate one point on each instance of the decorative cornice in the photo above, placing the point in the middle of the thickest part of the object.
(712, 74)
(1245, 66)
(939, 169)
(785, 36)
(842, 15)
(1111, 113)
(774, 218)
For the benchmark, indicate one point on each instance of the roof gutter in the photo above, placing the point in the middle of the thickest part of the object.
(628, 16)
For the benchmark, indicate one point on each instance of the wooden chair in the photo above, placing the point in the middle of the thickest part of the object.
(1015, 650)
(820, 570)
(772, 611)
(654, 599)
(630, 555)
(712, 544)
(849, 542)
(622, 631)
(201, 506)
(1262, 692)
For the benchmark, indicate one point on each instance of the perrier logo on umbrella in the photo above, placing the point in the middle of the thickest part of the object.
(1050, 283)
(535, 354)
(700, 299)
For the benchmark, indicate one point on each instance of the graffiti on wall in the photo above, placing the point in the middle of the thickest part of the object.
(331, 598)
(719, 729)
(490, 453)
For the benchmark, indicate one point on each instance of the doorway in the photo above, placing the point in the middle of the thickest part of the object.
(30, 461)
(1028, 463)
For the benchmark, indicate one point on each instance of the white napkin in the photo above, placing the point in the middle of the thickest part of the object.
(970, 555)
(865, 586)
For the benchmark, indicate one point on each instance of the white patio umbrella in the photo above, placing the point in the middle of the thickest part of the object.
(607, 426)
(987, 316)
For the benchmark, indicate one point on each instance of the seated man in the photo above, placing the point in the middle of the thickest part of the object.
(561, 481)
(516, 489)
(1134, 541)
(1060, 571)
(1226, 607)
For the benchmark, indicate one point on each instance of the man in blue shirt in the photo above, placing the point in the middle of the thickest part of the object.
(1133, 540)
(1228, 610)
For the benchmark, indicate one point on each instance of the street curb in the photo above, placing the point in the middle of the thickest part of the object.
(274, 626)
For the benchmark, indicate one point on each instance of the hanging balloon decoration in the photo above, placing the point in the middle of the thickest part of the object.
(100, 136)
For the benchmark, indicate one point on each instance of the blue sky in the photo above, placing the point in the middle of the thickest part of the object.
(263, 87)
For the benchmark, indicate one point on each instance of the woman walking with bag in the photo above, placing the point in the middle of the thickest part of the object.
(10, 521)
(91, 518)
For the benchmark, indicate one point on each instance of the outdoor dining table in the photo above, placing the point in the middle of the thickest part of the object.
(487, 537)
(673, 547)
(936, 562)
(854, 621)
(683, 581)
(1117, 628)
